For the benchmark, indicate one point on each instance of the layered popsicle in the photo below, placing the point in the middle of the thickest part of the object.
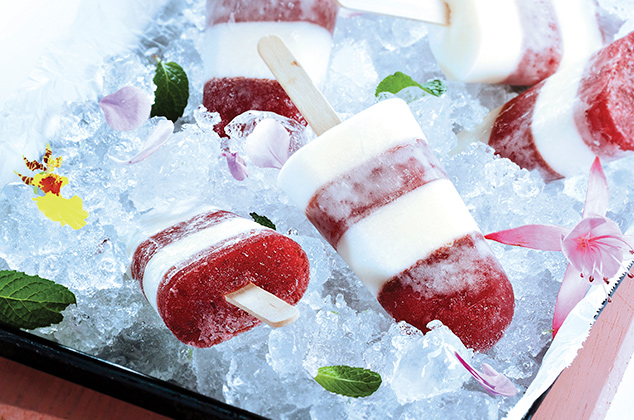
(376, 192)
(515, 42)
(188, 261)
(236, 78)
(559, 125)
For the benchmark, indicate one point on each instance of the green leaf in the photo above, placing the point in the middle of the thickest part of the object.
(30, 301)
(399, 81)
(263, 220)
(349, 381)
(172, 91)
(435, 87)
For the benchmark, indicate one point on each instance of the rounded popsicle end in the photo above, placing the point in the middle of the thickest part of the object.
(462, 285)
(482, 43)
(192, 300)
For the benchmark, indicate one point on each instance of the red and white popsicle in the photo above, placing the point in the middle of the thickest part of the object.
(560, 125)
(236, 78)
(517, 42)
(208, 272)
(374, 189)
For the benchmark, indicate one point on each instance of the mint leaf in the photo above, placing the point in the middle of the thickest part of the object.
(172, 91)
(435, 87)
(399, 81)
(263, 220)
(30, 301)
(349, 381)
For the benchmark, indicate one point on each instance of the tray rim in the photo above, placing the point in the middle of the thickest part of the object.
(114, 380)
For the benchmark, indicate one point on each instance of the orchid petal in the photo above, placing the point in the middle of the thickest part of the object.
(237, 166)
(126, 109)
(268, 145)
(543, 237)
(573, 289)
(598, 194)
(491, 380)
(161, 133)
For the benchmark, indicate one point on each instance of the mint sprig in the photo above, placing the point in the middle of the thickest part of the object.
(172, 91)
(398, 81)
(263, 220)
(30, 301)
(349, 381)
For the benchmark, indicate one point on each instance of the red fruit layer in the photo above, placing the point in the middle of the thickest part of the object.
(461, 285)
(191, 296)
(231, 96)
(542, 43)
(148, 248)
(341, 203)
(320, 12)
(605, 108)
(512, 137)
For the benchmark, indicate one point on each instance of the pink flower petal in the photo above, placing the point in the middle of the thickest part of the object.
(598, 194)
(268, 145)
(573, 289)
(596, 247)
(237, 166)
(491, 380)
(126, 109)
(543, 237)
(161, 133)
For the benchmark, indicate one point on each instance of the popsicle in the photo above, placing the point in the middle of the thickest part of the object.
(559, 125)
(374, 189)
(236, 78)
(501, 41)
(211, 274)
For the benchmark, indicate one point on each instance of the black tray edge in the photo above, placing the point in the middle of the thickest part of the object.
(113, 380)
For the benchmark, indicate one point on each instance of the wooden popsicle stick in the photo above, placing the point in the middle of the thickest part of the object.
(428, 11)
(263, 305)
(297, 84)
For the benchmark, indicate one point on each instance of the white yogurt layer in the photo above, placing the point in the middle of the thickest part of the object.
(160, 219)
(483, 42)
(394, 237)
(553, 126)
(337, 151)
(579, 29)
(230, 49)
(179, 251)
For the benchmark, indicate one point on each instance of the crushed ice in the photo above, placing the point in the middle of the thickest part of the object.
(270, 371)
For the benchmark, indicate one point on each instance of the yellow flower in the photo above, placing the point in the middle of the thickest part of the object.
(52, 204)
(66, 211)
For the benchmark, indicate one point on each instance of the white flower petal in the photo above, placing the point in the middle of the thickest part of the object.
(161, 133)
(127, 109)
(268, 145)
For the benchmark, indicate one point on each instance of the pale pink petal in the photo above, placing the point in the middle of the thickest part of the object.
(268, 145)
(237, 166)
(126, 109)
(573, 289)
(543, 237)
(596, 247)
(491, 380)
(161, 133)
(598, 194)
